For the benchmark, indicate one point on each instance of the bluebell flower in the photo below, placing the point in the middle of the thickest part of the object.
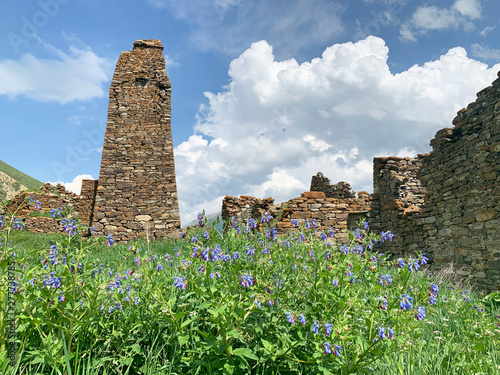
(338, 349)
(247, 281)
(405, 303)
(302, 319)
(335, 282)
(180, 282)
(69, 226)
(252, 223)
(328, 329)
(423, 259)
(294, 222)
(290, 317)
(434, 289)
(401, 263)
(384, 304)
(365, 225)
(381, 332)
(159, 267)
(390, 333)
(266, 217)
(385, 279)
(433, 300)
(328, 348)
(421, 313)
(315, 327)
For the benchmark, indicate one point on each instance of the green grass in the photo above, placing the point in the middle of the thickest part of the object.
(215, 325)
(20, 177)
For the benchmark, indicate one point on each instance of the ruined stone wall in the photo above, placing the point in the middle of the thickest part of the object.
(462, 179)
(339, 190)
(400, 200)
(339, 214)
(85, 205)
(51, 197)
(246, 207)
(137, 193)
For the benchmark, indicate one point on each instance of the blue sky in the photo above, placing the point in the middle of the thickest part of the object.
(265, 93)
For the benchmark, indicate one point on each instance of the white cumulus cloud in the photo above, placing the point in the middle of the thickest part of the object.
(278, 123)
(74, 186)
(461, 13)
(75, 75)
(485, 52)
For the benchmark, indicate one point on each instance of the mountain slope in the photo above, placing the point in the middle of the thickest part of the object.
(211, 218)
(12, 181)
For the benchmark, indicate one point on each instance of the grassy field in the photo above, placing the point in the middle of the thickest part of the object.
(246, 302)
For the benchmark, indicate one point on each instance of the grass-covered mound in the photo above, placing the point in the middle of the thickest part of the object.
(246, 302)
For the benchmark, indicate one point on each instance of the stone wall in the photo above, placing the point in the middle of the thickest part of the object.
(340, 190)
(337, 213)
(51, 197)
(86, 203)
(136, 194)
(462, 180)
(399, 197)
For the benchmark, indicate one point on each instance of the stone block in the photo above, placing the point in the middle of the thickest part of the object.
(313, 194)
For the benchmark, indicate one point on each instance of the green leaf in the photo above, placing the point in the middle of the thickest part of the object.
(234, 333)
(182, 339)
(245, 352)
(267, 345)
(185, 323)
(325, 371)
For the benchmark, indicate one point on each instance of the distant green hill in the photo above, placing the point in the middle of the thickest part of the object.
(211, 218)
(12, 181)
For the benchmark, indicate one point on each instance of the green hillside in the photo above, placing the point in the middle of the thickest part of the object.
(20, 178)
(211, 218)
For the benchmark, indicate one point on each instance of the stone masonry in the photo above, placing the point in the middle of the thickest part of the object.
(136, 194)
(339, 190)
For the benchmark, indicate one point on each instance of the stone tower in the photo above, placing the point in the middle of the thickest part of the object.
(136, 194)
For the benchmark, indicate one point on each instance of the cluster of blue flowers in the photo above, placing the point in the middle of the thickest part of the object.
(247, 281)
(180, 282)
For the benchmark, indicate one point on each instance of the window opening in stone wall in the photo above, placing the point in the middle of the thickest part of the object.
(141, 81)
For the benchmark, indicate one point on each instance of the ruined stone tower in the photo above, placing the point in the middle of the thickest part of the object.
(136, 194)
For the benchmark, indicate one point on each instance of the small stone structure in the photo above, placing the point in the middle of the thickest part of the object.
(339, 190)
(445, 203)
